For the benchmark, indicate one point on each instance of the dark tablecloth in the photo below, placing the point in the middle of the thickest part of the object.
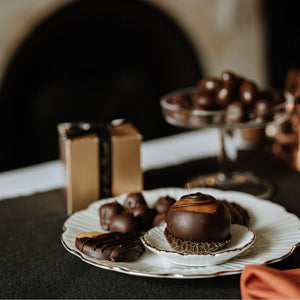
(34, 264)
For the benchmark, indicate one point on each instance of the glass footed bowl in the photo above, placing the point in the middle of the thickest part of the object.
(198, 118)
(226, 178)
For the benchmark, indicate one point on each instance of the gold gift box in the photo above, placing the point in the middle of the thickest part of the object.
(101, 160)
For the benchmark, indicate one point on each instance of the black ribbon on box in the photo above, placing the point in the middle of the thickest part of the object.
(101, 129)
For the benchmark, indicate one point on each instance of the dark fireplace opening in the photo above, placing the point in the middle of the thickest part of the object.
(92, 60)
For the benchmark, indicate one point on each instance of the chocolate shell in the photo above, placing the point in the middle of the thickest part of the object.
(199, 217)
(198, 223)
(239, 215)
(134, 199)
(113, 246)
(163, 204)
(107, 211)
(124, 222)
(159, 219)
(144, 216)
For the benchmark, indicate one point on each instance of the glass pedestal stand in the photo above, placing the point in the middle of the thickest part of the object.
(226, 178)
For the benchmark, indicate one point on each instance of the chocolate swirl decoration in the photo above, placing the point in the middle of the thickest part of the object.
(113, 246)
(197, 202)
(199, 217)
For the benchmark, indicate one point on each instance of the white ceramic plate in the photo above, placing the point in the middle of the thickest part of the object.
(241, 239)
(277, 236)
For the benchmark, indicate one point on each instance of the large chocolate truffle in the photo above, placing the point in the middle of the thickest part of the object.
(134, 199)
(107, 211)
(124, 222)
(163, 204)
(198, 223)
(113, 246)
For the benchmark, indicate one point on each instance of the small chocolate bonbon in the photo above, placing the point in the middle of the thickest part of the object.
(239, 215)
(263, 110)
(204, 100)
(107, 211)
(163, 204)
(230, 79)
(209, 84)
(247, 92)
(235, 112)
(181, 100)
(124, 222)
(134, 199)
(224, 95)
(159, 219)
(144, 215)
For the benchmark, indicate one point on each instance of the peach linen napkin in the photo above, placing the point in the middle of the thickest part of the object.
(263, 282)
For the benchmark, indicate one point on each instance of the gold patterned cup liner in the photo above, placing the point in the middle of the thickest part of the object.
(192, 247)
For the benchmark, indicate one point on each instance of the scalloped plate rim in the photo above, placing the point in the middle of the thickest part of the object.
(178, 275)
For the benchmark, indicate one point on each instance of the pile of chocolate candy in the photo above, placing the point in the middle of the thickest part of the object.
(286, 144)
(135, 215)
(287, 140)
(237, 99)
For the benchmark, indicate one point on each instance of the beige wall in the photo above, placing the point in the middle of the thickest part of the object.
(227, 34)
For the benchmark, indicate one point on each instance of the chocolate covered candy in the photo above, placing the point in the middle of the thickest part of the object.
(163, 204)
(235, 112)
(214, 102)
(159, 219)
(263, 110)
(113, 246)
(144, 216)
(134, 199)
(107, 211)
(204, 101)
(124, 222)
(181, 100)
(248, 90)
(224, 95)
(230, 79)
(198, 223)
(238, 214)
(209, 84)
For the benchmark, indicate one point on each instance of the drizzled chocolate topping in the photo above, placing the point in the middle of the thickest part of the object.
(113, 246)
(197, 202)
